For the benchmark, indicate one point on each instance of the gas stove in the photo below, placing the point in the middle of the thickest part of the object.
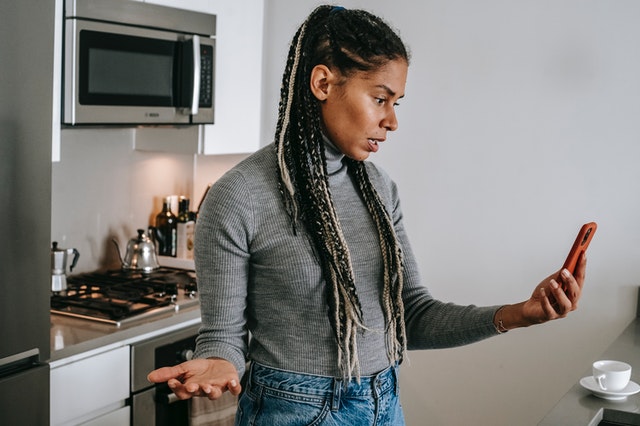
(120, 297)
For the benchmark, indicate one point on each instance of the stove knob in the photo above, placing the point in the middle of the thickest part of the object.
(172, 289)
(191, 289)
(186, 355)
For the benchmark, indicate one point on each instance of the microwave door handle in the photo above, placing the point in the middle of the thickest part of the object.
(195, 96)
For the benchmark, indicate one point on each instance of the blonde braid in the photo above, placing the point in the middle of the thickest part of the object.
(284, 171)
(392, 260)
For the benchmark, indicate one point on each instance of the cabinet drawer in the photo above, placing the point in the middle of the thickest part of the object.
(87, 388)
(119, 417)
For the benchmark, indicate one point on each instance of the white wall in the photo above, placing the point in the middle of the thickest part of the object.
(519, 124)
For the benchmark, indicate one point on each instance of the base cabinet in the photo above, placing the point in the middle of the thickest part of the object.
(92, 390)
(118, 417)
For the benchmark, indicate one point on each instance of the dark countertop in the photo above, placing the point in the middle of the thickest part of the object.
(74, 338)
(578, 406)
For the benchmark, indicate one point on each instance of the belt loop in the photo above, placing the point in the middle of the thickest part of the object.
(245, 381)
(335, 397)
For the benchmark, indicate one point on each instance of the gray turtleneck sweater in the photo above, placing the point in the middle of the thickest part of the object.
(256, 278)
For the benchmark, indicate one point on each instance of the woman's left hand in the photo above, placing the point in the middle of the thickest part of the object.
(555, 297)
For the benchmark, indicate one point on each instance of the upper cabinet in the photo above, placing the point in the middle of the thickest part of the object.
(238, 74)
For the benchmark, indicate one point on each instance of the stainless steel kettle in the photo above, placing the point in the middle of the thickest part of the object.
(141, 254)
(59, 266)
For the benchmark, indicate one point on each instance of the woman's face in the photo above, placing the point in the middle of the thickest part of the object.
(359, 110)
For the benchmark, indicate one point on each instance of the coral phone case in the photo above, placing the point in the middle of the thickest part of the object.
(580, 245)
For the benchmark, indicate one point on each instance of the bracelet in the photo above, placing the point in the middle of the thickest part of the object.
(500, 328)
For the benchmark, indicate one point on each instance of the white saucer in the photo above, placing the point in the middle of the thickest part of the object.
(590, 384)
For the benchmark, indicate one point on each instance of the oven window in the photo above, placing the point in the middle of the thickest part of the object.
(125, 70)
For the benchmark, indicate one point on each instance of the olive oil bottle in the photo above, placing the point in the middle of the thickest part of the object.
(185, 227)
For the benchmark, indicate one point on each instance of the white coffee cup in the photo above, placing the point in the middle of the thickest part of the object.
(611, 375)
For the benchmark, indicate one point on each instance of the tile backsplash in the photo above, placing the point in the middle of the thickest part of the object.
(103, 189)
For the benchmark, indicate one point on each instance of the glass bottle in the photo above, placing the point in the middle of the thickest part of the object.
(166, 230)
(185, 228)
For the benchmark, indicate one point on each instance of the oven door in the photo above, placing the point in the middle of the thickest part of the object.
(156, 405)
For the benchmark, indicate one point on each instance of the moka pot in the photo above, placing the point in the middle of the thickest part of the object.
(59, 266)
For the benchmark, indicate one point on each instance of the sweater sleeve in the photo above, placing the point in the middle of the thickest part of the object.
(431, 323)
(222, 263)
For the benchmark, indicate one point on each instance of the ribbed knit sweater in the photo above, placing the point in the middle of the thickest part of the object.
(262, 293)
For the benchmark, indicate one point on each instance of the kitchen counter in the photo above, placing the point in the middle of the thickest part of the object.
(578, 406)
(73, 338)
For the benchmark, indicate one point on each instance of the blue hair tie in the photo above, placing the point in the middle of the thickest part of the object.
(337, 9)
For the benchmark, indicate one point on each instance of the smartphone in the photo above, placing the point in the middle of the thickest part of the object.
(580, 245)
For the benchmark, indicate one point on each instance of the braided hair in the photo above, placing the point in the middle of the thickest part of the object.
(348, 41)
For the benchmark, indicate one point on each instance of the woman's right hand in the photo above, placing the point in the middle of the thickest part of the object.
(199, 377)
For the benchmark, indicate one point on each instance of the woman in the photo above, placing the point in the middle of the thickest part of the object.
(302, 247)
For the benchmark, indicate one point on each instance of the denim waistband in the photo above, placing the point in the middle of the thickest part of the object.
(324, 386)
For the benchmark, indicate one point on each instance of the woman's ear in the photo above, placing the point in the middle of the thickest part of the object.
(321, 78)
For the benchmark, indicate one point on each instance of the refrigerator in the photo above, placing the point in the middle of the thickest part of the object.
(26, 129)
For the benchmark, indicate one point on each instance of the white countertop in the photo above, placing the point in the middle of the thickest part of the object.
(74, 338)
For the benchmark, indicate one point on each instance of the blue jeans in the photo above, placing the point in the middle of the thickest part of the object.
(275, 397)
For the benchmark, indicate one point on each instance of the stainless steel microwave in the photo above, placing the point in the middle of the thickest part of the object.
(129, 62)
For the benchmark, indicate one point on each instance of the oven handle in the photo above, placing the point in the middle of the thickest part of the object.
(167, 398)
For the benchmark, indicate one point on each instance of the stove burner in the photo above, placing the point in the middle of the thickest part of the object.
(120, 296)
